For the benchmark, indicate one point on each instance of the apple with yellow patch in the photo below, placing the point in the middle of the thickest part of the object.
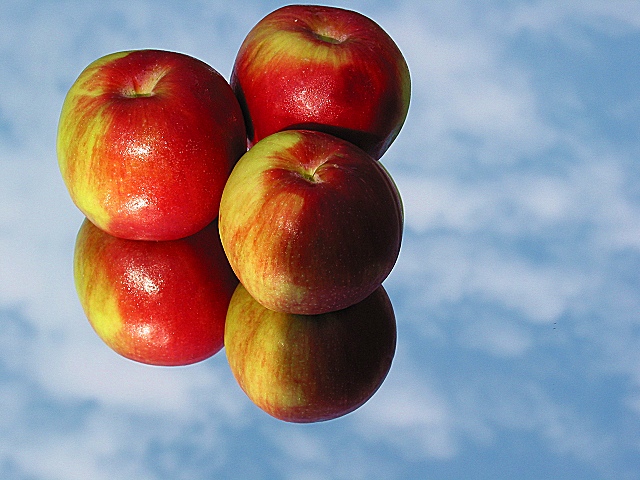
(310, 223)
(322, 68)
(159, 303)
(146, 141)
(310, 368)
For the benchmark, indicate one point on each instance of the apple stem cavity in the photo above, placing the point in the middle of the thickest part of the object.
(312, 174)
(327, 33)
(329, 37)
(145, 86)
(311, 177)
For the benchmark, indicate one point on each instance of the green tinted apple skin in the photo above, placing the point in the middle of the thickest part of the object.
(310, 368)
(310, 223)
(158, 303)
(146, 141)
(322, 68)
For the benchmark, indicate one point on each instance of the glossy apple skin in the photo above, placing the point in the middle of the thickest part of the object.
(310, 368)
(146, 141)
(322, 68)
(159, 303)
(310, 223)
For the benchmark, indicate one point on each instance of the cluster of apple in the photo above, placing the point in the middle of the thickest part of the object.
(252, 214)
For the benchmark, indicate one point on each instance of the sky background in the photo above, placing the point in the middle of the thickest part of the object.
(517, 290)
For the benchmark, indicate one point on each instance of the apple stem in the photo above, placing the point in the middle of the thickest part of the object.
(310, 177)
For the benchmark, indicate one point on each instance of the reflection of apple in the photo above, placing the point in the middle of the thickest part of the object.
(146, 141)
(310, 223)
(161, 303)
(310, 368)
(322, 68)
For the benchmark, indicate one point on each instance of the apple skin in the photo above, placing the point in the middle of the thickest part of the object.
(310, 223)
(146, 141)
(159, 303)
(322, 68)
(310, 368)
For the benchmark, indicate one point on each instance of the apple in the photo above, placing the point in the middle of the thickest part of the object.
(310, 368)
(310, 223)
(159, 303)
(146, 141)
(322, 68)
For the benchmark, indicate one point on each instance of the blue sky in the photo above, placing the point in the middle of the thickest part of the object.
(517, 290)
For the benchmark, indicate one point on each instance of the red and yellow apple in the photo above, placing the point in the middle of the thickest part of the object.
(310, 368)
(322, 68)
(146, 141)
(159, 303)
(310, 223)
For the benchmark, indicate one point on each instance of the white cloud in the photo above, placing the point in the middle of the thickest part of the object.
(465, 236)
(302, 445)
(422, 416)
(91, 371)
(594, 192)
(470, 101)
(412, 416)
(451, 269)
(557, 18)
(497, 337)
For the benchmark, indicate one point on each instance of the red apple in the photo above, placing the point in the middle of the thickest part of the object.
(310, 368)
(146, 141)
(160, 303)
(310, 223)
(322, 68)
